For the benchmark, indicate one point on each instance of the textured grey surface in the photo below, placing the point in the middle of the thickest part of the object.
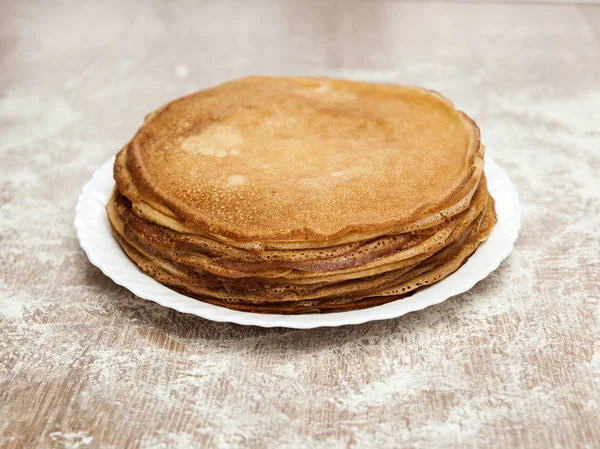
(514, 363)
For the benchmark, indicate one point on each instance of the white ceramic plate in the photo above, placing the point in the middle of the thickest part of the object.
(93, 231)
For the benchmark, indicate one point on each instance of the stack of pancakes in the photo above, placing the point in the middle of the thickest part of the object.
(289, 195)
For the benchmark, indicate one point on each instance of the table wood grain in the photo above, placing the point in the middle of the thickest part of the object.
(514, 363)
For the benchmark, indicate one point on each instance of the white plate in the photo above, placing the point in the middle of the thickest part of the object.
(93, 231)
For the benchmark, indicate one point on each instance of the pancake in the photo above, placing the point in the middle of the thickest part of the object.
(291, 159)
(296, 195)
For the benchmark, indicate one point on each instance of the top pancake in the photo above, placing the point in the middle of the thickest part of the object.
(266, 159)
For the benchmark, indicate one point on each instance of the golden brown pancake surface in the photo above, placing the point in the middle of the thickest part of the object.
(293, 159)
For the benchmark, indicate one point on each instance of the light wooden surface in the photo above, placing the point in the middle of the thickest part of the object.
(514, 363)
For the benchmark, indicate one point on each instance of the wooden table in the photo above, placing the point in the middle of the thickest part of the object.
(514, 363)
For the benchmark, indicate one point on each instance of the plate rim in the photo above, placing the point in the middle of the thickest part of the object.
(505, 234)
